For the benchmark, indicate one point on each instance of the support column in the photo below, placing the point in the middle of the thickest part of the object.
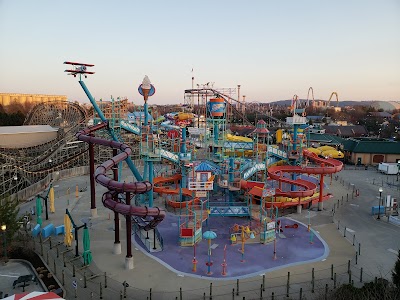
(299, 208)
(151, 176)
(117, 242)
(321, 189)
(93, 209)
(128, 258)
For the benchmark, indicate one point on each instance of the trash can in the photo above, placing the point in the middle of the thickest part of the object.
(366, 167)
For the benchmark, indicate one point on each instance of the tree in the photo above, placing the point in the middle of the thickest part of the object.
(9, 216)
(396, 272)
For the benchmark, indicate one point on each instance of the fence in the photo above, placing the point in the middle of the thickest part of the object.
(93, 283)
(39, 186)
(315, 282)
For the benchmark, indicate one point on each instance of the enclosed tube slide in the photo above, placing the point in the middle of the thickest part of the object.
(116, 187)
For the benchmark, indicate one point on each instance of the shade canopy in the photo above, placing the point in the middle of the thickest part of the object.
(35, 296)
(209, 235)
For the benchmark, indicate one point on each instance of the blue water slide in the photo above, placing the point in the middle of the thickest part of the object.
(130, 127)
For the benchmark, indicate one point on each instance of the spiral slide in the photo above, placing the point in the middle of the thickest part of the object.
(156, 215)
(308, 189)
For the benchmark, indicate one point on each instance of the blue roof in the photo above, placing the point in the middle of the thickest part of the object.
(205, 167)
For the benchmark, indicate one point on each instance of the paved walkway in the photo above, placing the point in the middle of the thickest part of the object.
(10, 272)
(149, 275)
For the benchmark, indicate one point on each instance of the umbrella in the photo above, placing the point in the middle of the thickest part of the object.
(67, 228)
(87, 254)
(34, 295)
(38, 210)
(51, 198)
(209, 235)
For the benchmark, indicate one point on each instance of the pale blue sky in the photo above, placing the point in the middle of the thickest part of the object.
(273, 49)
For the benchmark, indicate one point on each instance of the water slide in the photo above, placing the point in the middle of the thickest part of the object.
(169, 125)
(161, 188)
(130, 127)
(168, 155)
(114, 187)
(236, 138)
(307, 188)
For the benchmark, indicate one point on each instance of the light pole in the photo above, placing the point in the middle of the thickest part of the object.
(379, 206)
(3, 229)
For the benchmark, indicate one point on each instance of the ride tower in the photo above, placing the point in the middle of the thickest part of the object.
(216, 119)
(149, 144)
(296, 136)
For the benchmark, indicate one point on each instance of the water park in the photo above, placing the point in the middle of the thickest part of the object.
(204, 201)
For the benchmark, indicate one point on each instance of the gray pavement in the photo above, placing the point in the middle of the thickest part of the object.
(377, 240)
(11, 271)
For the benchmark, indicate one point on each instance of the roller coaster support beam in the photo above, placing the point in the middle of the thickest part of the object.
(101, 115)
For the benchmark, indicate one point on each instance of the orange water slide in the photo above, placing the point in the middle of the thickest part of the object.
(327, 166)
(160, 188)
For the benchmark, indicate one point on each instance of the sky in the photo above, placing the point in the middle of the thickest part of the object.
(273, 49)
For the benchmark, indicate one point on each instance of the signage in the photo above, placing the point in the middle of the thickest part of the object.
(74, 284)
(201, 194)
(151, 92)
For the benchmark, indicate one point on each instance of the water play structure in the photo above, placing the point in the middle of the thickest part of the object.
(199, 175)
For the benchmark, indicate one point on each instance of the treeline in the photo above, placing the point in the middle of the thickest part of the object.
(12, 119)
(13, 114)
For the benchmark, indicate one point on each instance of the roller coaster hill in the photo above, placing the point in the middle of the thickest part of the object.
(28, 161)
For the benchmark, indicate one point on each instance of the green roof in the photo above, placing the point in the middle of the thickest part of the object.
(380, 147)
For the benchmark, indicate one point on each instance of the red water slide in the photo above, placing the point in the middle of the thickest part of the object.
(116, 187)
(327, 166)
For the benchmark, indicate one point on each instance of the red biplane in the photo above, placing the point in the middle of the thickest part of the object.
(78, 68)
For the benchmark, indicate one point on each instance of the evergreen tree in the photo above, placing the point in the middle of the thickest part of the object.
(9, 216)
(396, 272)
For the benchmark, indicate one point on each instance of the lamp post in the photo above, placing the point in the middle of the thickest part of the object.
(379, 206)
(3, 229)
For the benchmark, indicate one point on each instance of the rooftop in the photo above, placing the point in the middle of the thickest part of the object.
(26, 129)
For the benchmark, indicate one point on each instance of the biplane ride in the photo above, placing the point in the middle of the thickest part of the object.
(78, 68)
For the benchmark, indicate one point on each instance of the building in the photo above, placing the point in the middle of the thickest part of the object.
(26, 136)
(360, 151)
(346, 131)
(9, 98)
(372, 152)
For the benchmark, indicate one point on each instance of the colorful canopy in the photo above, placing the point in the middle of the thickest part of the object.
(35, 296)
